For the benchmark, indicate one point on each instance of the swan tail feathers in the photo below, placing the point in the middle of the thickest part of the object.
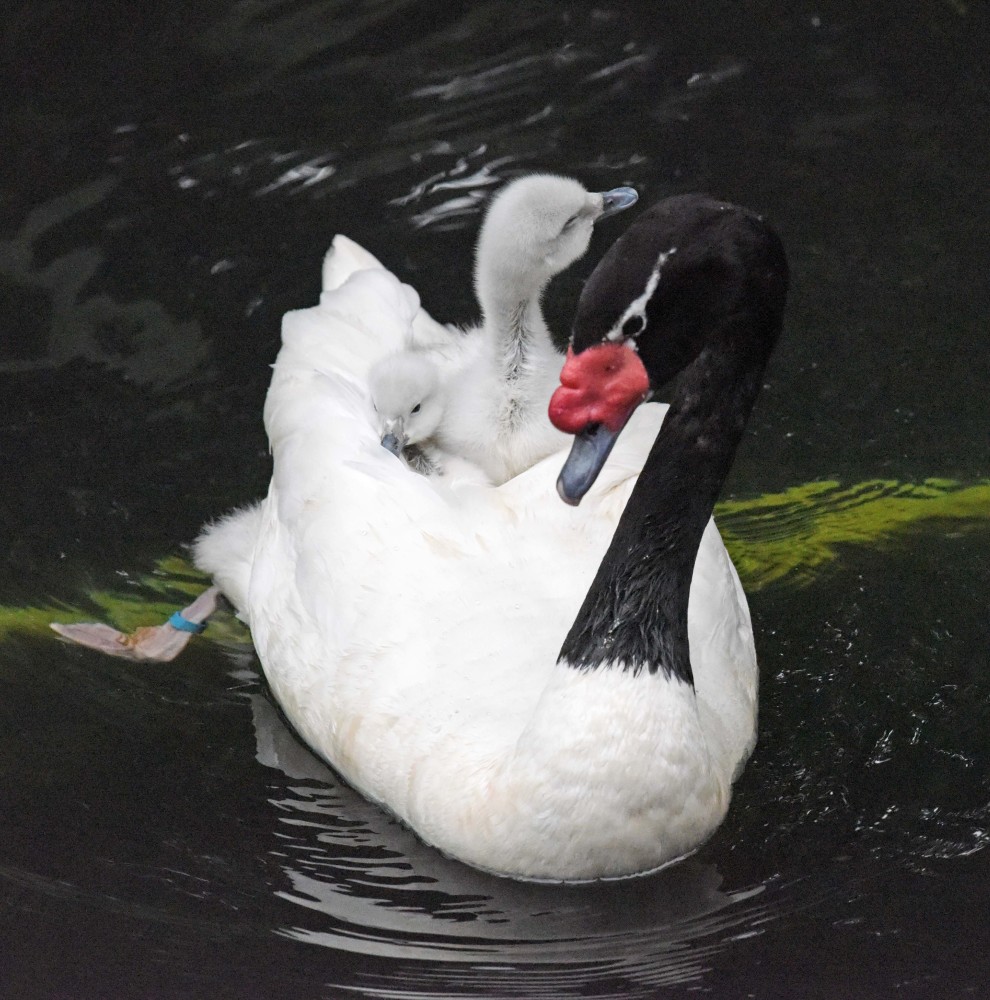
(225, 551)
(345, 257)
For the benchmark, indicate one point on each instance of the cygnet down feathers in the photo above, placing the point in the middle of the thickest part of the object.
(490, 407)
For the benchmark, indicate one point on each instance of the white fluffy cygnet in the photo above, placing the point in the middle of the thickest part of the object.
(408, 393)
(494, 396)
(496, 407)
(409, 402)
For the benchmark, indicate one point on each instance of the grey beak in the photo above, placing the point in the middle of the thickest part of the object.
(617, 199)
(589, 450)
(391, 443)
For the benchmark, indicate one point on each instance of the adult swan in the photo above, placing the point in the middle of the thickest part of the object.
(410, 627)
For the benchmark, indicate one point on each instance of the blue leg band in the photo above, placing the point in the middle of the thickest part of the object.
(185, 625)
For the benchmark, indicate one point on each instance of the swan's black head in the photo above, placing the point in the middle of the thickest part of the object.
(690, 272)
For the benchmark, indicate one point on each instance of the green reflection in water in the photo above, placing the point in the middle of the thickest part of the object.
(797, 534)
(148, 600)
(779, 538)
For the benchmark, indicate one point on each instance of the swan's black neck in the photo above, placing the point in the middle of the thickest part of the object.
(635, 613)
(634, 616)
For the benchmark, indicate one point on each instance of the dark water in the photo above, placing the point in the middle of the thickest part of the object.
(170, 182)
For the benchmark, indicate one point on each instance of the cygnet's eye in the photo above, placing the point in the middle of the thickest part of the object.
(570, 222)
(415, 409)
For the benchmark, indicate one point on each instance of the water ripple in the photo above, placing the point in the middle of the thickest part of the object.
(443, 93)
(375, 890)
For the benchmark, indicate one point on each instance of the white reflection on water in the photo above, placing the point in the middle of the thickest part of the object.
(260, 167)
(450, 195)
(304, 175)
(439, 96)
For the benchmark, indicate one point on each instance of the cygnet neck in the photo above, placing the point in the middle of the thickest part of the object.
(509, 293)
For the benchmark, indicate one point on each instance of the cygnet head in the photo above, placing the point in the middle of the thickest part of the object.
(408, 399)
(539, 225)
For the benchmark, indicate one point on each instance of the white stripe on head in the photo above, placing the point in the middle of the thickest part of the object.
(637, 308)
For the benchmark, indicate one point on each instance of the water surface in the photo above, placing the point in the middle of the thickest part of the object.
(171, 183)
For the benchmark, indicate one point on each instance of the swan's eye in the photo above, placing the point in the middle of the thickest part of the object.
(415, 409)
(633, 326)
(570, 222)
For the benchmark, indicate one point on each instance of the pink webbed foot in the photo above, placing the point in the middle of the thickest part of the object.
(159, 643)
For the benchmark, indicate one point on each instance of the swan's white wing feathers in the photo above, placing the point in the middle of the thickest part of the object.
(345, 257)
(448, 557)
(723, 654)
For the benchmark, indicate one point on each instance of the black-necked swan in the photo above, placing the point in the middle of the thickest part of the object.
(481, 661)
(412, 631)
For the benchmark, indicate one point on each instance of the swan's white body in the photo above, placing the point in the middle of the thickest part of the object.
(409, 627)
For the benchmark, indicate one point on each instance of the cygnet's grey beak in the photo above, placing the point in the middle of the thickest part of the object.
(617, 199)
(391, 443)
